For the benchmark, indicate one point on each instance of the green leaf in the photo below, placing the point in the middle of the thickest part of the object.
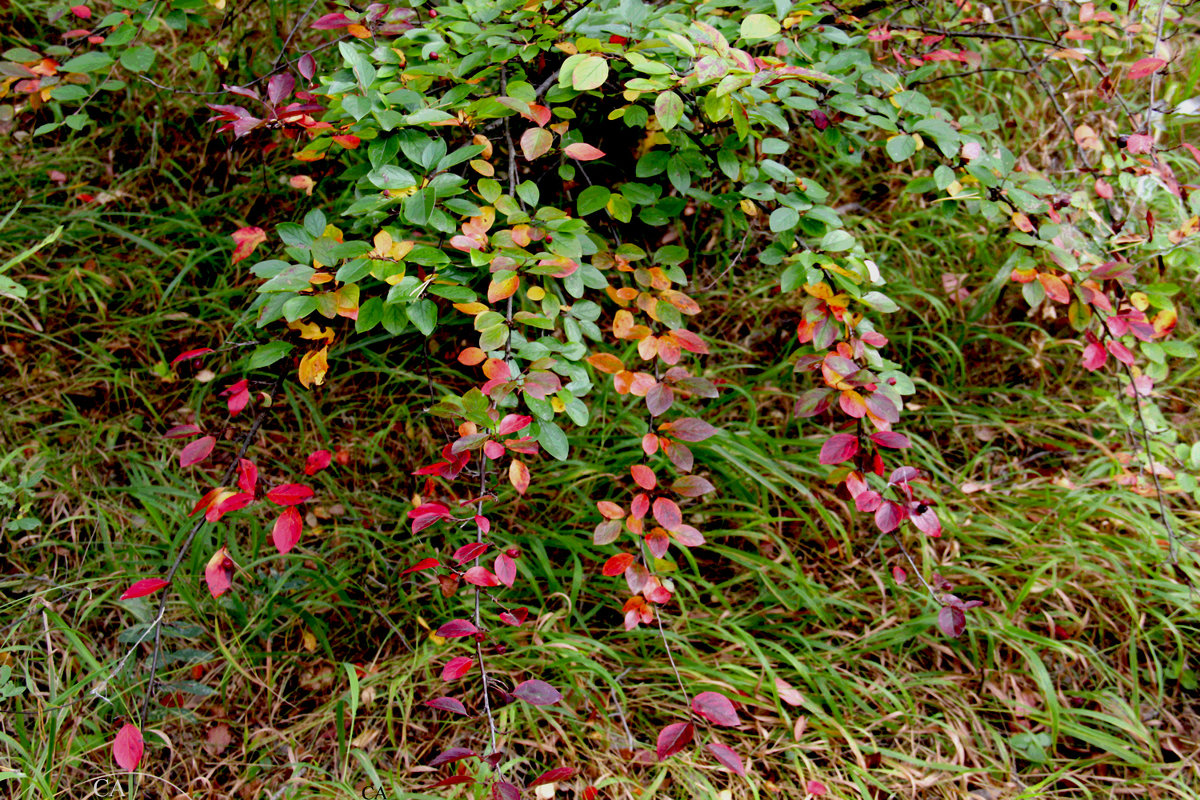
(784, 219)
(592, 199)
(267, 354)
(835, 241)
(669, 110)
(901, 147)
(590, 73)
(553, 440)
(880, 302)
(87, 62)
(423, 314)
(138, 59)
(759, 26)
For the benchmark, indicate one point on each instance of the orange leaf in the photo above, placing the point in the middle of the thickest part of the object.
(583, 152)
(245, 240)
(606, 363)
(313, 367)
(500, 290)
(518, 475)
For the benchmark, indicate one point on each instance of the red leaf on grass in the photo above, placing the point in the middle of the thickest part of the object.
(181, 431)
(317, 461)
(189, 354)
(952, 621)
(287, 530)
(424, 563)
(503, 790)
(480, 576)
(513, 423)
(1094, 354)
(716, 708)
(888, 516)
(247, 476)
(537, 693)
(691, 429)
(552, 776)
(233, 502)
(617, 564)
(667, 513)
(457, 667)
(456, 628)
(447, 704)
(470, 552)
(197, 451)
(245, 240)
(816, 789)
(127, 748)
(891, 440)
(218, 573)
(506, 569)
(727, 756)
(1145, 68)
(838, 448)
(144, 587)
(674, 738)
(643, 476)
(289, 494)
(331, 22)
(453, 754)
(453, 780)
(692, 486)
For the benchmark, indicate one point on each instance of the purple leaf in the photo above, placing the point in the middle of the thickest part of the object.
(455, 628)
(674, 738)
(952, 620)
(453, 754)
(716, 708)
(537, 693)
(891, 440)
(839, 448)
(691, 429)
(503, 790)
(903, 475)
(553, 776)
(728, 758)
(888, 516)
(447, 704)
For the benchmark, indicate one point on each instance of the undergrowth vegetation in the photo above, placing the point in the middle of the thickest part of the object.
(397, 303)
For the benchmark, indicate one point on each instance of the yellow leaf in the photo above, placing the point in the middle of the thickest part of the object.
(313, 367)
(474, 309)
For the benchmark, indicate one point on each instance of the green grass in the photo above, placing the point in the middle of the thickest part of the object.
(1077, 679)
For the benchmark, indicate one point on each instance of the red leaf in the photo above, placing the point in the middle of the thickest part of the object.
(245, 240)
(447, 704)
(83, 12)
(330, 22)
(289, 494)
(888, 516)
(506, 569)
(838, 448)
(727, 756)
(233, 502)
(453, 754)
(453, 780)
(189, 354)
(667, 513)
(643, 476)
(716, 708)
(692, 486)
(480, 576)
(537, 693)
(691, 429)
(1120, 352)
(247, 476)
(317, 461)
(127, 748)
(197, 451)
(456, 628)
(952, 621)
(903, 475)
(816, 789)
(287, 530)
(457, 667)
(1145, 68)
(674, 738)
(144, 587)
(503, 790)
(424, 563)
(217, 573)
(552, 776)
(583, 152)
(1094, 354)
(513, 423)
(470, 552)
(617, 564)
(515, 617)
(891, 440)
(182, 431)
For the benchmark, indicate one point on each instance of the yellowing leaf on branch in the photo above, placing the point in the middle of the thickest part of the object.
(313, 367)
